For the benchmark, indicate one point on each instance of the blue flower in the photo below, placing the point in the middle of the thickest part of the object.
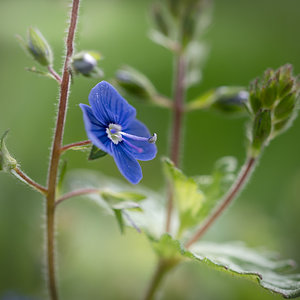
(111, 125)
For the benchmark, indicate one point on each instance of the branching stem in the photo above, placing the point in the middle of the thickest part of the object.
(77, 144)
(56, 151)
(77, 193)
(54, 74)
(30, 181)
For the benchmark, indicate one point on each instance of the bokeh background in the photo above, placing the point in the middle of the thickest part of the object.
(95, 261)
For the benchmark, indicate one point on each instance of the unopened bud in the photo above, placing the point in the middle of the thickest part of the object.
(135, 84)
(85, 63)
(159, 19)
(230, 101)
(7, 163)
(261, 129)
(38, 47)
(285, 107)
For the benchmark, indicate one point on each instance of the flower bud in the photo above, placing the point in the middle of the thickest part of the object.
(7, 163)
(159, 19)
(135, 84)
(261, 130)
(85, 63)
(285, 107)
(38, 47)
(230, 101)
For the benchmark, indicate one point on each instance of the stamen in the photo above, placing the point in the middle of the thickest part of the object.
(113, 132)
(152, 139)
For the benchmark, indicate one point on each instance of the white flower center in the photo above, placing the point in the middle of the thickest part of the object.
(114, 133)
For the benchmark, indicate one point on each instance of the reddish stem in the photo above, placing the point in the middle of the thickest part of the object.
(54, 74)
(70, 146)
(31, 182)
(76, 193)
(56, 151)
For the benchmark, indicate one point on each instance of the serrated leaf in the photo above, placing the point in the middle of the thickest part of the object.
(236, 259)
(168, 248)
(188, 198)
(96, 153)
(214, 186)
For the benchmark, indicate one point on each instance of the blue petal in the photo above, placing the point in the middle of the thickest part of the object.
(127, 165)
(109, 106)
(95, 130)
(149, 150)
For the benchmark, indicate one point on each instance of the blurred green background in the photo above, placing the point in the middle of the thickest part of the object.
(95, 261)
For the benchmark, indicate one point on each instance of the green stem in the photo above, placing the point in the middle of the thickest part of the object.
(56, 151)
(162, 268)
(231, 195)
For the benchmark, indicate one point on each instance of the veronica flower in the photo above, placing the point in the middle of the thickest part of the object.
(111, 125)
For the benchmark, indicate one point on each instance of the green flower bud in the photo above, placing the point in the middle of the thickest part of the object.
(285, 107)
(174, 7)
(254, 98)
(159, 19)
(7, 163)
(38, 47)
(261, 130)
(230, 101)
(135, 84)
(85, 63)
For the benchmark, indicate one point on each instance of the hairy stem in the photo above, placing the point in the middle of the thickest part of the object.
(54, 74)
(29, 181)
(77, 193)
(178, 112)
(77, 144)
(56, 151)
(232, 193)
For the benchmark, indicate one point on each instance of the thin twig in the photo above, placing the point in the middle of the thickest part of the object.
(178, 111)
(56, 151)
(232, 193)
(54, 74)
(77, 193)
(30, 181)
(77, 144)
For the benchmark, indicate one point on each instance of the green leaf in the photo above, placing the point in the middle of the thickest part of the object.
(262, 268)
(95, 153)
(116, 197)
(7, 162)
(237, 260)
(168, 248)
(62, 174)
(164, 41)
(215, 186)
(188, 198)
